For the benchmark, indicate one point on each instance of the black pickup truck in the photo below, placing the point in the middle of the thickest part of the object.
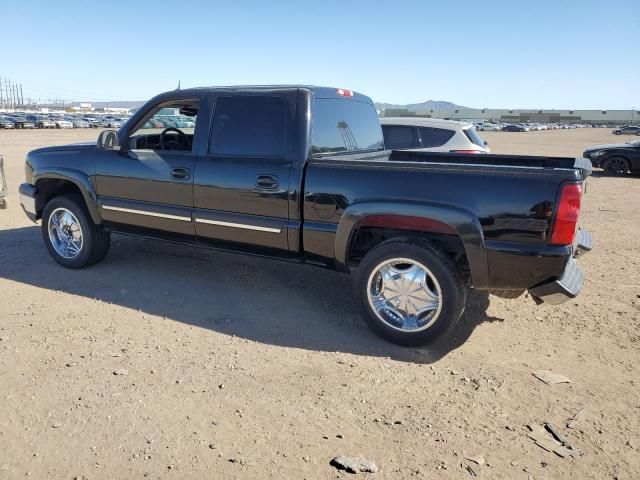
(301, 173)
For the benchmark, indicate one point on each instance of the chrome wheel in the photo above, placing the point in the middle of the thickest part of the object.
(65, 233)
(404, 294)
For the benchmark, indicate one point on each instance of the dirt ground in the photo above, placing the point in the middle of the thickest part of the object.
(245, 368)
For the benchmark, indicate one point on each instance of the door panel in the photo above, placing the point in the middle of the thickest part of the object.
(242, 184)
(226, 190)
(141, 188)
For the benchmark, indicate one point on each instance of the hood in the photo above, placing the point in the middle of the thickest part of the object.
(70, 148)
(608, 145)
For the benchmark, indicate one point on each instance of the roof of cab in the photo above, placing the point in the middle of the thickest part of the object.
(319, 92)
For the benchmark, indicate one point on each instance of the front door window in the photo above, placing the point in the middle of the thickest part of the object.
(169, 126)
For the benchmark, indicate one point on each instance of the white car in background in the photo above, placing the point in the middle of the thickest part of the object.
(489, 127)
(431, 135)
(62, 123)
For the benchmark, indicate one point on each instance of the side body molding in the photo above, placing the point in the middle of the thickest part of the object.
(80, 180)
(464, 223)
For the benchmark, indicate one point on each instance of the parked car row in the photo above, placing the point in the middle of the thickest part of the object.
(25, 120)
(527, 127)
(169, 121)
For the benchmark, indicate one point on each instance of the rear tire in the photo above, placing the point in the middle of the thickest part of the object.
(423, 278)
(616, 166)
(71, 237)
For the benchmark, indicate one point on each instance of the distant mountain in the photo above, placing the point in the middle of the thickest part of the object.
(428, 105)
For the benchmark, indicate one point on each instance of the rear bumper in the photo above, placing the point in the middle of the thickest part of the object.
(569, 285)
(28, 195)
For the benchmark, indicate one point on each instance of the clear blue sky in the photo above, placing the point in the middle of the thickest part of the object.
(482, 53)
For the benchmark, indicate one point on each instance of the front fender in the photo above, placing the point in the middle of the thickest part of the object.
(464, 223)
(80, 180)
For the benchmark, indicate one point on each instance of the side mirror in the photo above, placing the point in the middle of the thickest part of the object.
(108, 140)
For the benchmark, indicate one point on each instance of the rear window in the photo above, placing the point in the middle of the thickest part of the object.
(396, 136)
(435, 137)
(344, 126)
(473, 136)
(248, 126)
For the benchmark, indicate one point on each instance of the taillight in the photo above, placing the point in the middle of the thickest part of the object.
(563, 231)
(466, 151)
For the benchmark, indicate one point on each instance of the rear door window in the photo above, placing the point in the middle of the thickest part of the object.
(398, 136)
(248, 125)
(345, 126)
(435, 137)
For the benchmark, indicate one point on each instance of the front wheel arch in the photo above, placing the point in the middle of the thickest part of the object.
(65, 181)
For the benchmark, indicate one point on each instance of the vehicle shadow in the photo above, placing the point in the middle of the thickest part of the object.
(602, 174)
(277, 303)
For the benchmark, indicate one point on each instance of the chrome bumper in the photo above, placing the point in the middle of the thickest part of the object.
(28, 195)
(568, 286)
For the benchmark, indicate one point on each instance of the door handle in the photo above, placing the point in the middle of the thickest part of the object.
(181, 173)
(267, 182)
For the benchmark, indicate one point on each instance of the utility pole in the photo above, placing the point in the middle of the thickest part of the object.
(21, 96)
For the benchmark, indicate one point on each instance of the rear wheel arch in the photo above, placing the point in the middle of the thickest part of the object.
(437, 224)
(367, 238)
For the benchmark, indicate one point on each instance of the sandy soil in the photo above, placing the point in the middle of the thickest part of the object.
(246, 368)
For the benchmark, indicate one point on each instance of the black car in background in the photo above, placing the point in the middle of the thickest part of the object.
(627, 130)
(513, 128)
(615, 159)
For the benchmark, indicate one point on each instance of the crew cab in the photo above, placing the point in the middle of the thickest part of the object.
(301, 174)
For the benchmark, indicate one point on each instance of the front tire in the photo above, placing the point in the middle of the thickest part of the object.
(616, 166)
(408, 292)
(71, 237)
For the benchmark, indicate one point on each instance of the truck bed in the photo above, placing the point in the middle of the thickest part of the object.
(530, 161)
(503, 203)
